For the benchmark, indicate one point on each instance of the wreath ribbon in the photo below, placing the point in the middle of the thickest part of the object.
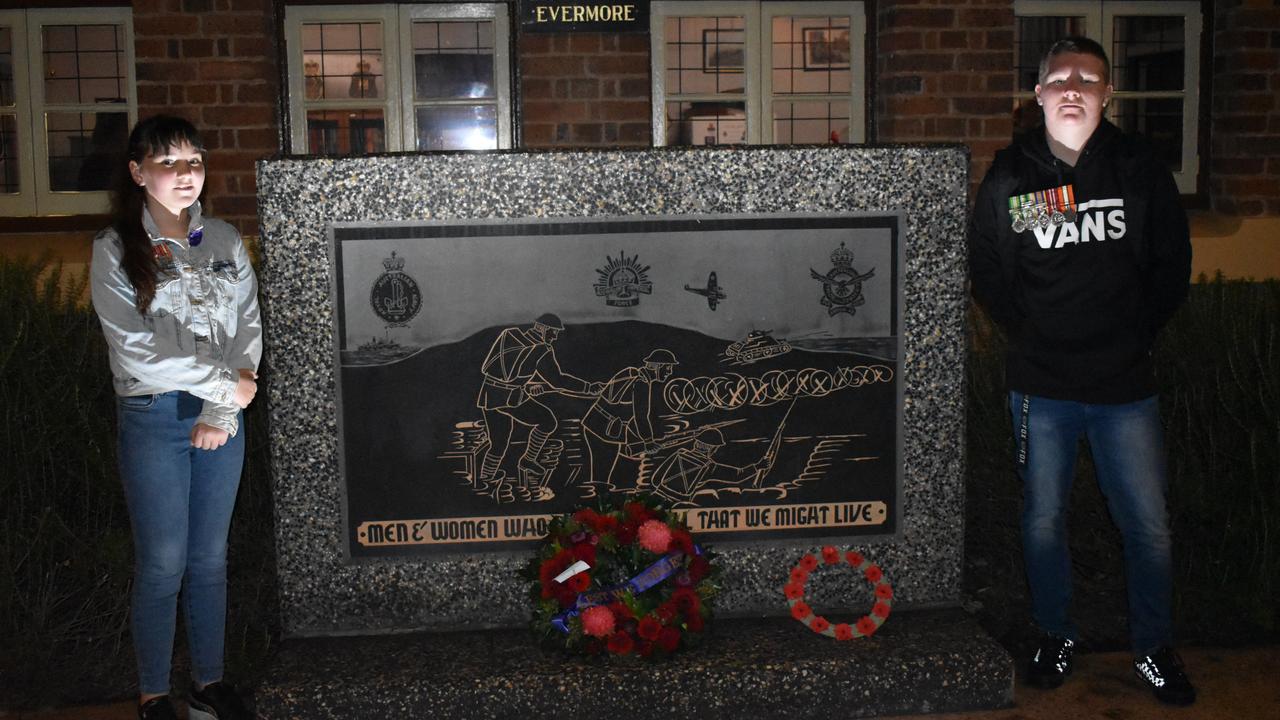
(645, 579)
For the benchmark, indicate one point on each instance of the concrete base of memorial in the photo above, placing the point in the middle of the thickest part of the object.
(919, 662)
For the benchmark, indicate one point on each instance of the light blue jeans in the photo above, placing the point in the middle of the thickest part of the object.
(180, 502)
(1127, 444)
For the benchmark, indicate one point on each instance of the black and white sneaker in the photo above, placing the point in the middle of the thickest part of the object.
(1162, 672)
(1051, 663)
(217, 701)
(157, 708)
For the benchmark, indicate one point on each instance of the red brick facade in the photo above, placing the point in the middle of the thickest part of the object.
(939, 73)
(215, 62)
(1244, 173)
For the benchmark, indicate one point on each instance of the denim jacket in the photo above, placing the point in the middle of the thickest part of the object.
(202, 327)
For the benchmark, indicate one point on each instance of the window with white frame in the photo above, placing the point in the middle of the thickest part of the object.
(757, 72)
(67, 100)
(1154, 48)
(385, 78)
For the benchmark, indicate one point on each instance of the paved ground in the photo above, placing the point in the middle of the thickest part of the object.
(1233, 684)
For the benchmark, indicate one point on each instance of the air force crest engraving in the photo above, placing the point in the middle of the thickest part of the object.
(842, 285)
(622, 281)
(395, 296)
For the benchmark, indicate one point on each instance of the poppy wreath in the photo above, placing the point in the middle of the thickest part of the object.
(624, 579)
(867, 624)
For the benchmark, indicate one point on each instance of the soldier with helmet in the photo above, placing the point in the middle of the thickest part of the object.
(686, 471)
(521, 365)
(620, 422)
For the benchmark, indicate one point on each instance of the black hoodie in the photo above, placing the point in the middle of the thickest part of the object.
(1081, 303)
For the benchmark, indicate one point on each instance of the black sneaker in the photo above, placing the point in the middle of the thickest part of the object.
(217, 701)
(157, 708)
(1051, 663)
(1162, 672)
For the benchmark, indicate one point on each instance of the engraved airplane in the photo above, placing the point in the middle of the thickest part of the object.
(712, 292)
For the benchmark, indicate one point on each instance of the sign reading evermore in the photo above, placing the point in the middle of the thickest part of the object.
(491, 374)
(562, 16)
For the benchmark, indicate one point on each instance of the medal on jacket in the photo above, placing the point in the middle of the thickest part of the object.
(1055, 207)
(1068, 194)
(195, 236)
(1015, 214)
(1042, 209)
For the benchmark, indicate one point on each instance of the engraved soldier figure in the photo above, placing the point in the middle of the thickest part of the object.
(686, 471)
(520, 366)
(620, 421)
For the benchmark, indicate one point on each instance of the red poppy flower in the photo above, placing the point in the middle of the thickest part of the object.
(666, 612)
(809, 563)
(681, 540)
(637, 512)
(669, 639)
(830, 555)
(646, 648)
(620, 610)
(854, 558)
(687, 600)
(799, 576)
(649, 628)
(620, 643)
(698, 568)
(881, 610)
(694, 622)
(800, 610)
(819, 624)
(843, 631)
(580, 582)
(866, 625)
(883, 591)
(873, 573)
(565, 596)
(627, 533)
(586, 516)
(793, 591)
(586, 552)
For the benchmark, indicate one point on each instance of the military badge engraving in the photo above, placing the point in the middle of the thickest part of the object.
(395, 296)
(622, 281)
(842, 285)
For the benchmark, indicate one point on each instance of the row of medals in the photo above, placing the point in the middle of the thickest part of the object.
(1043, 208)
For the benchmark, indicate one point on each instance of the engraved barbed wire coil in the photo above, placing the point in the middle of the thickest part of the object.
(732, 391)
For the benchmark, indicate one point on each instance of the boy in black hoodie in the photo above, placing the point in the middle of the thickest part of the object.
(1080, 251)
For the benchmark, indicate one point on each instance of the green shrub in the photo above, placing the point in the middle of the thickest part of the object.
(66, 551)
(1218, 366)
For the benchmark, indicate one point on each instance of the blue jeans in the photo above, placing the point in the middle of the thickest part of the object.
(1128, 453)
(180, 502)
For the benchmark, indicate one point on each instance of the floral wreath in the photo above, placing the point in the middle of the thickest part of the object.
(624, 579)
(867, 624)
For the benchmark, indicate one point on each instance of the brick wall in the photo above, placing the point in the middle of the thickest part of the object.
(1245, 136)
(584, 89)
(214, 62)
(944, 73)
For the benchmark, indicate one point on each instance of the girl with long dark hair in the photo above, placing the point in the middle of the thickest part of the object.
(177, 298)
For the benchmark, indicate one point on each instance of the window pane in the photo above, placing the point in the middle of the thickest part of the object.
(85, 149)
(811, 55)
(810, 122)
(82, 63)
(342, 60)
(453, 60)
(1035, 36)
(706, 123)
(9, 155)
(1158, 119)
(345, 132)
(6, 68)
(1148, 53)
(458, 127)
(705, 55)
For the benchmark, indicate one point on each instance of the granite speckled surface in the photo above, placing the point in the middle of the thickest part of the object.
(920, 662)
(323, 594)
